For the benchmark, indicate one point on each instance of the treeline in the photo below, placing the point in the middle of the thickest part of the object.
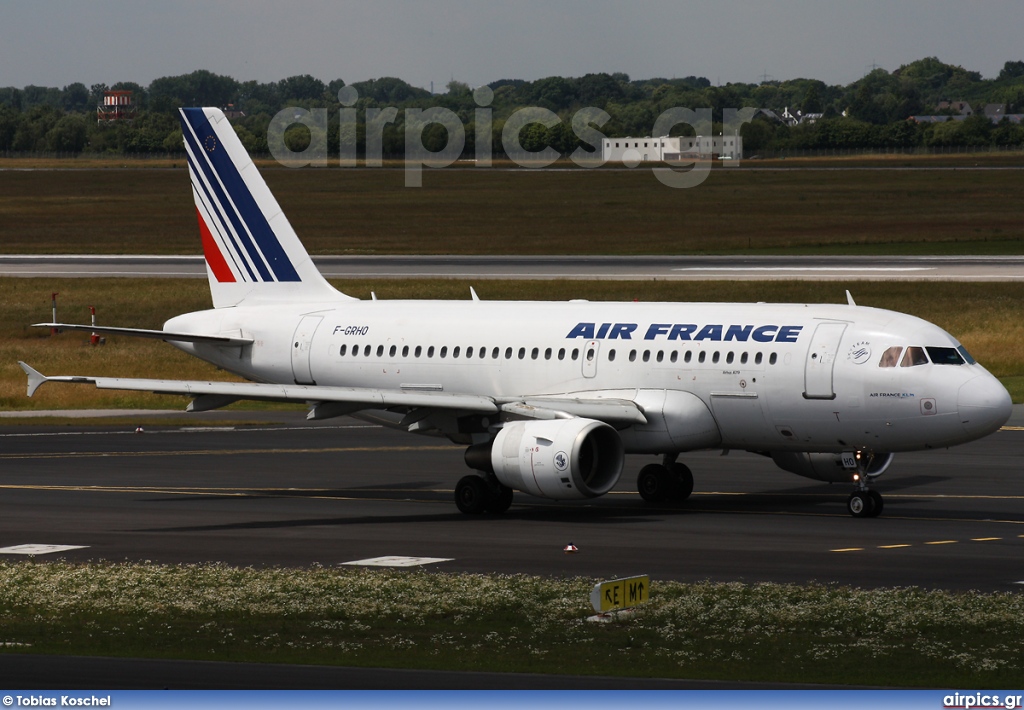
(872, 112)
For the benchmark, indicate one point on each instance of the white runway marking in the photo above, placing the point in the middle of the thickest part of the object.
(397, 561)
(38, 549)
(854, 269)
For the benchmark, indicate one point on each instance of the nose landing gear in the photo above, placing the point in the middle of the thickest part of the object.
(865, 502)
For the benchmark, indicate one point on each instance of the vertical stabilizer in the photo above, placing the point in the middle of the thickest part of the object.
(252, 253)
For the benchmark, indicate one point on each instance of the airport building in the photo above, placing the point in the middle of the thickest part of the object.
(665, 148)
(116, 106)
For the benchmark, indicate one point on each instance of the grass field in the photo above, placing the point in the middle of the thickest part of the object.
(469, 211)
(513, 623)
(987, 318)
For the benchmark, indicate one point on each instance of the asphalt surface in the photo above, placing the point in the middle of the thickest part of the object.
(822, 268)
(340, 491)
(282, 492)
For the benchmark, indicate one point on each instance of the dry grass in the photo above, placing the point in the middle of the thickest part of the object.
(467, 211)
(987, 318)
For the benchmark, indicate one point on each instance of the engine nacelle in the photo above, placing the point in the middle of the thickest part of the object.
(560, 459)
(829, 467)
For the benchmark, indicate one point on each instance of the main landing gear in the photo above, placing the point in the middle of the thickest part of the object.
(478, 494)
(668, 481)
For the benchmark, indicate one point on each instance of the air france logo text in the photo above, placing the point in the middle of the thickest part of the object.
(689, 331)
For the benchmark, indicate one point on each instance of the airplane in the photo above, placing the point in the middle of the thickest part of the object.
(549, 397)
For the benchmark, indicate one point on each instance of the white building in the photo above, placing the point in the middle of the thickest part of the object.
(665, 148)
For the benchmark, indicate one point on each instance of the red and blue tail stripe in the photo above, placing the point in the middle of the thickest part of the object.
(238, 240)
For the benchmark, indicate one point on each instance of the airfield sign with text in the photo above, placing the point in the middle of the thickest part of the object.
(620, 593)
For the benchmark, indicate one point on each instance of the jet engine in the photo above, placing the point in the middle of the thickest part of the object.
(561, 459)
(829, 467)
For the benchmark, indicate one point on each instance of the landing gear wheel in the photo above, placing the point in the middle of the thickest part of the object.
(861, 504)
(682, 481)
(472, 495)
(500, 499)
(654, 483)
(877, 503)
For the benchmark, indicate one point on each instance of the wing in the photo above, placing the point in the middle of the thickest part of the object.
(328, 402)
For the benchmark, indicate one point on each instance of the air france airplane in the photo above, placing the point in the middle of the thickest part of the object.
(548, 397)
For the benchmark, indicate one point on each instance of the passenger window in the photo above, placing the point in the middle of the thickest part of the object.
(494, 353)
(758, 358)
(380, 350)
(405, 351)
(945, 356)
(688, 356)
(561, 353)
(611, 355)
(547, 354)
(729, 357)
(772, 359)
(366, 351)
(647, 355)
(344, 349)
(590, 355)
(661, 356)
(455, 352)
(714, 358)
(575, 354)
(913, 357)
(534, 353)
(632, 355)
(702, 356)
(469, 352)
(419, 350)
(675, 356)
(394, 349)
(743, 359)
(444, 351)
(508, 353)
(430, 351)
(522, 353)
(891, 356)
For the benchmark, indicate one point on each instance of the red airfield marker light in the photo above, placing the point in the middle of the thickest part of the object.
(53, 304)
(94, 339)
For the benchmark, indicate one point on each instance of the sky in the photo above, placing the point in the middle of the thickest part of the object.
(57, 42)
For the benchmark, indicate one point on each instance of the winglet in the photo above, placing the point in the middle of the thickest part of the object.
(35, 378)
(849, 298)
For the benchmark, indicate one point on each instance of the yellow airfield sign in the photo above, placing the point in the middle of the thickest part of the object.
(620, 593)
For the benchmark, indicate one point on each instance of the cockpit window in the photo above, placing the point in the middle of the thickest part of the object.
(946, 356)
(891, 356)
(913, 357)
(966, 355)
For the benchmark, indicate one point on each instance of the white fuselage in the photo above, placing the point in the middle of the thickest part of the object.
(774, 377)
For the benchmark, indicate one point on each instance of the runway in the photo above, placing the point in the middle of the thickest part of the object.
(287, 493)
(825, 268)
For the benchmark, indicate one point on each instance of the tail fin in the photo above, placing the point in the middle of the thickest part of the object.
(252, 252)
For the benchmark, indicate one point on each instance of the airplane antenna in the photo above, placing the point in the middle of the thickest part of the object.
(472, 292)
(849, 298)
(373, 295)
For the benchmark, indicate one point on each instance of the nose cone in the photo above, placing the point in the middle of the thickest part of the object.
(984, 405)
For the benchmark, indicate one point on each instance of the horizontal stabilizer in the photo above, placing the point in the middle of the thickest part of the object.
(154, 334)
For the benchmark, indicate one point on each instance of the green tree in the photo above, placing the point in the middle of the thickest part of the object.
(68, 135)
